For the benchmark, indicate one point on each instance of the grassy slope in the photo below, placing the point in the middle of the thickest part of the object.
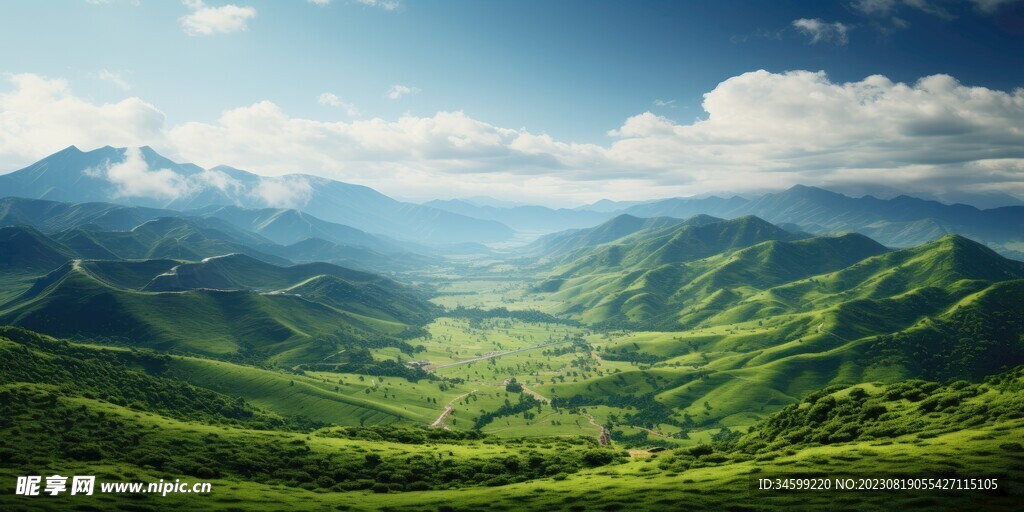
(911, 429)
(686, 292)
(754, 351)
(219, 323)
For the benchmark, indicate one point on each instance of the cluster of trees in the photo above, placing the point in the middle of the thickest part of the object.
(348, 355)
(404, 434)
(629, 356)
(108, 375)
(513, 386)
(643, 410)
(477, 315)
(972, 343)
(908, 407)
(578, 345)
(524, 406)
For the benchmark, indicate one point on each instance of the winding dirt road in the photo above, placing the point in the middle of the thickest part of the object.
(439, 422)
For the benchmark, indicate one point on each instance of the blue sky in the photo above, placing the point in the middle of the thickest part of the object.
(574, 72)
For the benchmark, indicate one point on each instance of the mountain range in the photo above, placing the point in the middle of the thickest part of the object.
(142, 177)
(282, 236)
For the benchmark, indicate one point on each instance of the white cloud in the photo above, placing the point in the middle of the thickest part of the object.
(115, 79)
(821, 31)
(319, 2)
(879, 7)
(387, 5)
(39, 116)
(761, 130)
(286, 192)
(134, 178)
(206, 21)
(397, 91)
(665, 103)
(332, 100)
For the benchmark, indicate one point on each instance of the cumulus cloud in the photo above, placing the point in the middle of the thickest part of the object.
(132, 177)
(761, 130)
(821, 31)
(332, 100)
(39, 116)
(397, 91)
(207, 21)
(284, 192)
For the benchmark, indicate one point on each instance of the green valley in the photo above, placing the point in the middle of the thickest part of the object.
(686, 358)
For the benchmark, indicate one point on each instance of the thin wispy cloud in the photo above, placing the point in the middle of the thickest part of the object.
(944, 9)
(115, 79)
(819, 30)
(332, 100)
(397, 91)
(991, 6)
(387, 5)
(665, 103)
(207, 21)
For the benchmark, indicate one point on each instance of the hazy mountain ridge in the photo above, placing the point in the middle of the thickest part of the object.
(75, 176)
(108, 231)
(899, 222)
(531, 218)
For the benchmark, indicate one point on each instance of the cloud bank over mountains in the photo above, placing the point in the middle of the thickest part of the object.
(762, 130)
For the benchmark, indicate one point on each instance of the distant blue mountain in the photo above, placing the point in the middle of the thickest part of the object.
(530, 219)
(902, 221)
(75, 176)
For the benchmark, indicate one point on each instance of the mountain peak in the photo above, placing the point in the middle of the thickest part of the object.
(809, 191)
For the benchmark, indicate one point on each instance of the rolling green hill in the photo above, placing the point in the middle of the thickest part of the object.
(557, 244)
(26, 254)
(766, 325)
(54, 216)
(338, 287)
(23, 249)
(168, 237)
(74, 302)
(241, 272)
(675, 244)
(74, 409)
(684, 292)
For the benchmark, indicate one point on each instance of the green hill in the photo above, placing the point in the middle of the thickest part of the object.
(23, 249)
(54, 216)
(26, 254)
(686, 292)
(242, 272)
(944, 310)
(380, 298)
(557, 244)
(127, 274)
(73, 302)
(951, 264)
(168, 237)
(674, 244)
